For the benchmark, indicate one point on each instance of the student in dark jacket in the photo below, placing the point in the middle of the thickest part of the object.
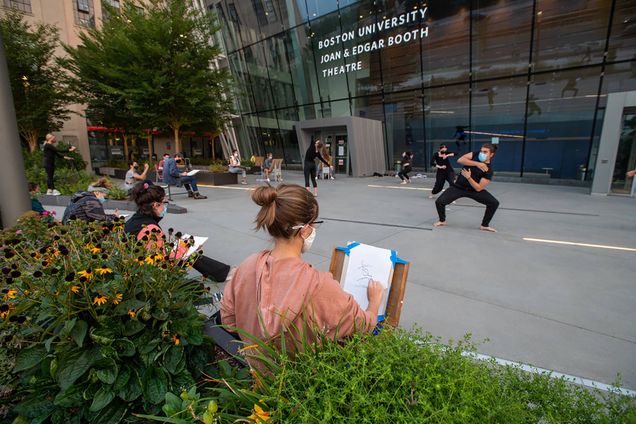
(472, 183)
(151, 208)
(407, 166)
(313, 153)
(50, 153)
(444, 168)
(89, 205)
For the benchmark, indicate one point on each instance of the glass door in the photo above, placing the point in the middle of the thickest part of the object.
(625, 158)
(341, 155)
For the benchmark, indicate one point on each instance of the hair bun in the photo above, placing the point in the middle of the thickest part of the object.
(265, 195)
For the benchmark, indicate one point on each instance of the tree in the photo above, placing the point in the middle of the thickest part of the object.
(40, 95)
(153, 60)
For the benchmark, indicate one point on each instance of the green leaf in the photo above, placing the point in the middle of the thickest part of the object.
(103, 397)
(34, 407)
(28, 358)
(122, 379)
(155, 385)
(173, 401)
(133, 327)
(68, 326)
(108, 373)
(69, 398)
(126, 305)
(72, 365)
(79, 332)
(113, 413)
(132, 390)
(124, 347)
(48, 342)
(173, 358)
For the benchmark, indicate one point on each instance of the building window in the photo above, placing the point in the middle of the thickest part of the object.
(84, 13)
(21, 5)
(234, 17)
(265, 11)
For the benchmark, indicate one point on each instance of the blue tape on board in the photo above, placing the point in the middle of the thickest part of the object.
(347, 249)
(396, 260)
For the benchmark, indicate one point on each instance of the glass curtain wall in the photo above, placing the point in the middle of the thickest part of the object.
(530, 75)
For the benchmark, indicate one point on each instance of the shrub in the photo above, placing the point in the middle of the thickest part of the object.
(404, 377)
(70, 176)
(100, 326)
(218, 166)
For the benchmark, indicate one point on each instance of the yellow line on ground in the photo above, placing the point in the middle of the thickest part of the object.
(570, 243)
(401, 188)
(227, 188)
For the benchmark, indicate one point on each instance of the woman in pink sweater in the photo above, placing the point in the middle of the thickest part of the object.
(275, 290)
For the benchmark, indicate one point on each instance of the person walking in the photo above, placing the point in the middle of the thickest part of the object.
(173, 176)
(407, 166)
(50, 152)
(444, 168)
(472, 183)
(309, 168)
(235, 166)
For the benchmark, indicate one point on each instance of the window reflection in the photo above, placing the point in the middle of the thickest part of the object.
(622, 43)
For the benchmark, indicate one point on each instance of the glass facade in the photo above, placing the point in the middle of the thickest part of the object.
(531, 75)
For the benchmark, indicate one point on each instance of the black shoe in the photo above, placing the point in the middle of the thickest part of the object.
(191, 194)
(199, 196)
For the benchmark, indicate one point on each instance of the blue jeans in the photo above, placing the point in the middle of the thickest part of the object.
(237, 170)
(188, 181)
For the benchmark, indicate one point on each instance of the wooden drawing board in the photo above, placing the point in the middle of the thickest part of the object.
(396, 290)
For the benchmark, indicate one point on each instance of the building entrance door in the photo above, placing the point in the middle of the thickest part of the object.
(625, 157)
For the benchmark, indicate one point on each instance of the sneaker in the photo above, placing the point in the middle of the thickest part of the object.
(244, 182)
(403, 182)
(199, 196)
(332, 178)
(49, 192)
(191, 194)
(55, 193)
(408, 181)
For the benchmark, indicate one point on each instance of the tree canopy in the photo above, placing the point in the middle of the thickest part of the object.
(40, 95)
(150, 65)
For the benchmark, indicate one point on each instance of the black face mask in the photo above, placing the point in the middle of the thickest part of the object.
(136, 166)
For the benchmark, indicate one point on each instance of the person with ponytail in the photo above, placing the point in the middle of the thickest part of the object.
(276, 290)
(472, 183)
(151, 208)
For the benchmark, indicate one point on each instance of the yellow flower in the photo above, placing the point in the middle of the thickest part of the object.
(140, 260)
(132, 313)
(100, 300)
(94, 250)
(10, 294)
(150, 260)
(75, 289)
(103, 270)
(176, 340)
(88, 274)
(5, 310)
(259, 415)
(118, 298)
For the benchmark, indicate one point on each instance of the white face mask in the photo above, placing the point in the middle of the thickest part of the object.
(307, 242)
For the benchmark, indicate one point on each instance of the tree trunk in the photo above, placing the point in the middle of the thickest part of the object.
(32, 140)
(125, 138)
(177, 140)
(149, 140)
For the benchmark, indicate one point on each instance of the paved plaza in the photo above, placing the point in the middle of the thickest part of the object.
(568, 308)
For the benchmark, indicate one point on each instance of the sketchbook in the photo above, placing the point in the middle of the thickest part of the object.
(198, 242)
(193, 172)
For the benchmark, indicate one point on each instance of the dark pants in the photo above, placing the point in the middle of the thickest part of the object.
(310, 170)
(441, 177)
(453, 193)
(211, 268)
(50, 170)
(188, 181)
(404, 174)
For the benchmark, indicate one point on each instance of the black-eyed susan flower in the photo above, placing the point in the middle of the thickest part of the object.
(176, 340)
(103, 270)
(75, 289)
(259, 415)
(10, 294)
(100, 300)
(118, 298)
(140, 260)
(5, 310)
(150, 260)
(132, 313)
(69, 277)
(37, 274)
(88, 274)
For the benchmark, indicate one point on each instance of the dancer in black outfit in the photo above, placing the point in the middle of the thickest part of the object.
(312, 153)
(407, 166)
(472, 182)
(50, 152)
(445, 170)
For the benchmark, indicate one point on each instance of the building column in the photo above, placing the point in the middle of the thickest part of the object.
(14, 195)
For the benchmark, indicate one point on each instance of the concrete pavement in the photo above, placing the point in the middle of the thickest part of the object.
(567, 308)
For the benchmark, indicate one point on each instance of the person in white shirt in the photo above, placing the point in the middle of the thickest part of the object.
(235, 166)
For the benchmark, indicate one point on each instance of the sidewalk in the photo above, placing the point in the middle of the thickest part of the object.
(567, 308)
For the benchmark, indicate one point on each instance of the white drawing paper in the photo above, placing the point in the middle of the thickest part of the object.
(194, 171)
(198, 242)
(366, 263)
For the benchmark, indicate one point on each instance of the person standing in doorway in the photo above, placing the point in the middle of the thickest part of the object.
(50, 152)
(313, 153)
(407, 166)
(472, 183)
(236, 168)
(444, 168)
